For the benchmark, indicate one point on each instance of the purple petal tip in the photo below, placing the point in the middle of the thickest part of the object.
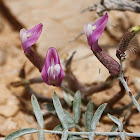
(93, 32)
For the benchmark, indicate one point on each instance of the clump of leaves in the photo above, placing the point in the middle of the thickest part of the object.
(67, 121)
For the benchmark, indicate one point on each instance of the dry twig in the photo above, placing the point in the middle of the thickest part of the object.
(107, 5)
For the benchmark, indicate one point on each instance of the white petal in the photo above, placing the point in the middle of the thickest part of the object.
(88, 29)
(23, 35)
(57, 70)
(50, 71)
(23, 30)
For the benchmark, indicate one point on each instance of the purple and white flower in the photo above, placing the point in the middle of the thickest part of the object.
(52, 72)
(29, 37)
(93, 32)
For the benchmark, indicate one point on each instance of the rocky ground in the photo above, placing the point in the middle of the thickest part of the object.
(62, 22)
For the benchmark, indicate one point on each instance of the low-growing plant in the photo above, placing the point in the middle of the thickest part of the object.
(52, 74)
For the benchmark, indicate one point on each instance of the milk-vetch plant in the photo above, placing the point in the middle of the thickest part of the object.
(53, 74)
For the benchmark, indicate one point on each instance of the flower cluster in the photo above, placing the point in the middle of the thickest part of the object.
(51, 71)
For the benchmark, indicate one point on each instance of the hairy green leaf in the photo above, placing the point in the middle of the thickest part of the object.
(76, 107)
(97, 116)
(59, 111)
(88, 116)
(69, 118)
(37, 111)
(21, 132)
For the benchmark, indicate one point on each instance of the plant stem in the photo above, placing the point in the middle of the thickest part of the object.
(96, 133)
(124, 83)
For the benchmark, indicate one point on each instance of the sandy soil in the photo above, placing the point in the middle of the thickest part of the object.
(62, 22)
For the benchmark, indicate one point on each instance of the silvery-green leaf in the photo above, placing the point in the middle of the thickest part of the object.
(50, 108)
(67, 100)
(114, 128)
(76, 107)
(59, 111)
(37, 111)
(117, 121)
(64, 135)
(58, 128)
(21, 132)
(71, 126)
(69, 118)
(97, 116)
(88, 116)
(41, 134)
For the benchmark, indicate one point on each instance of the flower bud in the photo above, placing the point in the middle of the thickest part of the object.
(124, 43)
(135, 29)
(52, 72)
